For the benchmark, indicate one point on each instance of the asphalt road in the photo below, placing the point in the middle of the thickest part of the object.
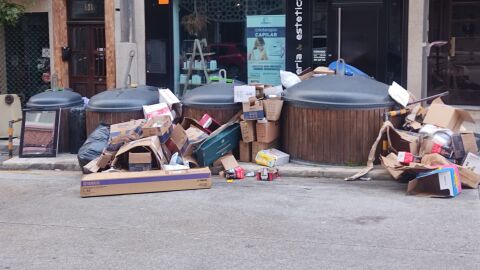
(287, 224)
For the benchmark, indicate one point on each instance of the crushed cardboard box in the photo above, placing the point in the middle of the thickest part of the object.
(116, 183)
(253, 109)
(149, 144)
(248, 131)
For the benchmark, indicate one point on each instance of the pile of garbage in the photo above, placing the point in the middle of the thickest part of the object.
(166, 146)
(260, 124)
(433, 148)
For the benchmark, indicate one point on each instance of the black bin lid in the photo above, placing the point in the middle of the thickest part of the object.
(211, 95)
(339, 92)
(55, 99)
(123, 99)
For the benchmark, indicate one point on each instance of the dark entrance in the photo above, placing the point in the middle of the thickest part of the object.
(454, 62)
(86, 52)
(373, 35)
(158, 43)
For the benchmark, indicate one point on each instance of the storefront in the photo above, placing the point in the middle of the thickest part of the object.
(454, 60)
(252, 40)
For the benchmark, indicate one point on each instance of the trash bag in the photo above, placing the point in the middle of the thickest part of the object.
(94, 145)
(77, 129)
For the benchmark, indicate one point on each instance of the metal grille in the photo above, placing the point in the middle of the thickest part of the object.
(25, 56)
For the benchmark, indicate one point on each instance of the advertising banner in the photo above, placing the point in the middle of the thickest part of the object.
(266, 48)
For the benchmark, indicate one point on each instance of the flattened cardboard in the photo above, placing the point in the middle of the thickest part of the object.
(229, 162)
(245, 150)
(180, 139)
(248, 130)
(242, 93)
(258, 146)
(445, 116)
(116, 183)
(273, 109)
(267, 132)
(399, 171)
(160, 126)
(131, 129)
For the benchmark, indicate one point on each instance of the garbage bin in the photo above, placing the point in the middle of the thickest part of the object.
(65, 100)
(119, 105)
(334, 119)
(215, 99)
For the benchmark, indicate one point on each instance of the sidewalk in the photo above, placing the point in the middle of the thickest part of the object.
(68, 162)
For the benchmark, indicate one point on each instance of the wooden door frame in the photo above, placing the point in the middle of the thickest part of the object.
(60, 39)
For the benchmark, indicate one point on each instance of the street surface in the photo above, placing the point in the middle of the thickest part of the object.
(287, 224)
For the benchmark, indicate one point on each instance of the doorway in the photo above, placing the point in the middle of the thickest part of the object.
(159, 43)
(454, 63)
(86, 47)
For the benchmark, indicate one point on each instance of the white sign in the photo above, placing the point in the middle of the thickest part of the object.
(243, 93)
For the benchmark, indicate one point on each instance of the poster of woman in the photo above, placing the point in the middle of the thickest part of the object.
(266, 48)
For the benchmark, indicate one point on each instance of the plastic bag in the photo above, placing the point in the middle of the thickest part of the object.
(94, 145)
(289, 79)
(77, 129)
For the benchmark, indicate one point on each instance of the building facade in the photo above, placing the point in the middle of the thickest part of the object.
(429, 46)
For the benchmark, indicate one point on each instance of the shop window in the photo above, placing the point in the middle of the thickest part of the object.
(221, 25)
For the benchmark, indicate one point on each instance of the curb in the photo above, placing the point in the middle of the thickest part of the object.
(68, 162)
(336, 172)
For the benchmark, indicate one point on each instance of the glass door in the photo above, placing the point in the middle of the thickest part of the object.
(454, 63)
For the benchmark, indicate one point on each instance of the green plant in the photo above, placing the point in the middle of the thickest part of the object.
(10, 12)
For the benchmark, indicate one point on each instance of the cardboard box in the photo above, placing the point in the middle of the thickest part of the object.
(258, 146)
(267, 131)
(138, 162)
(457, 146)
(146, 145)
(105, 159)
(444, 182)
(472, 162)
(166, 96)
(468, 178)
(445, 116)
(160, 126)
(242, 93)
(273, 109)
(209, 124)
(157, 110)
(127, 131)
(115, 183)
(253, 110)
(404, 141)
(469, 143)
(245, 150)
(248, 131)
(272, 158)
(179, 140)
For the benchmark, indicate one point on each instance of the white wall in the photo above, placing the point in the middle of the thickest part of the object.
(417, 37)
(137, 44)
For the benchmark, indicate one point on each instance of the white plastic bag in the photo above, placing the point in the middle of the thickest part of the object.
(288, 78)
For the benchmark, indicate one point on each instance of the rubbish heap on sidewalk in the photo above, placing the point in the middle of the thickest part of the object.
(167, 152)
(434, 150)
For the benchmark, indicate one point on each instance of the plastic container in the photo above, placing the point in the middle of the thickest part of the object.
(215, 99)
(333, 119)
(64, 100)
(119, 105)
